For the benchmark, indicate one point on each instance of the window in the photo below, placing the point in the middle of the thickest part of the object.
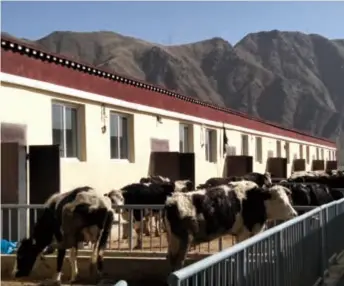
(279, 149)
(231, 150)
(184, 145)
(287, 151)
(119, 141)
(307, 154)
(65, 129)
(244, 145)
(317, 154)
(322, 154)
(259, 150)
(210, 145)
(301, 151)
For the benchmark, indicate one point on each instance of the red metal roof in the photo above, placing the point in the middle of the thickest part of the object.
(22, 59)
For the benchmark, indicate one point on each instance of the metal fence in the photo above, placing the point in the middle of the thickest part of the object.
(18, 220)
(296, 252)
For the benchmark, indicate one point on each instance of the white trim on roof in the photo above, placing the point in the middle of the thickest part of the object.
(45, 86)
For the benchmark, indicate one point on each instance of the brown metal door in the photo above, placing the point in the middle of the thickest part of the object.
(9, 188)
(239, 165)
(165, 164)
(187, 166)
(277, 167)
(299, 165)
(331, 165)
(44, 164)
(318, 165)
(44, 176)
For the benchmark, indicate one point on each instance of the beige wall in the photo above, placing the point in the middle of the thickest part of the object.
(33, 108)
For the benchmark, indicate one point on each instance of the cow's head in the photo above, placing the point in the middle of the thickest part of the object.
(183, 186)
(117, 199)
(267, 179)
(278, 204)
(26, 256)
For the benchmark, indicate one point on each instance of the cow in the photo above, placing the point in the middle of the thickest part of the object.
(260, 179)
(179, 185)
(70, 218)
(240, 209)
(154, 179)
(310, 194)
(142, 194)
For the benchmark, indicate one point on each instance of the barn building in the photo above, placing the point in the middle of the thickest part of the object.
(76, 125)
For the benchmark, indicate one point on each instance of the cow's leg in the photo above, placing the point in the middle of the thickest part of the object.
(61, 253)
(178, 246)
(158, 225)
(147, 222)
(137, 227)
(177, 250)
(242, 235)
(105, 234)
(74, 264)
(125, 216)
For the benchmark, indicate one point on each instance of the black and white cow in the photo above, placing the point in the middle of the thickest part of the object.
(260, 179)
(179, 185)
(155, 179)
(240, 208)
(80, 215)
(142, 194)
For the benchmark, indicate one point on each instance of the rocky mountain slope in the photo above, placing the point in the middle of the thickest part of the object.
(290, 78)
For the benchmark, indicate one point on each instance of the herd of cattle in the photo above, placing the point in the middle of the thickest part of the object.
(240, 206)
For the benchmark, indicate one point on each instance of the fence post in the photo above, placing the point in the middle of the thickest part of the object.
(279, 258)
(323, 225)
(173, 280)
(130, 238)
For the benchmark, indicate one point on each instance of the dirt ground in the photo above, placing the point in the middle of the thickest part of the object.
(157, 244)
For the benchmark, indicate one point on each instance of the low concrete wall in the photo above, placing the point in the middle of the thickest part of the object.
(116, 267)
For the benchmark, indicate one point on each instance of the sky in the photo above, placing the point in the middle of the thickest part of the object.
(172, 22)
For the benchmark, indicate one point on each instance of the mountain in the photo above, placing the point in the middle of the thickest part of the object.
(291, 78)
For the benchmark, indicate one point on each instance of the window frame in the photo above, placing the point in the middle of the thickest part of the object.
(76, 107)
(245, 148)
(186, 145)
(308, 153)
(120, 115)
(210, 150)
(278, 148)
(301, 155)
(287, 151)
(258, 149)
